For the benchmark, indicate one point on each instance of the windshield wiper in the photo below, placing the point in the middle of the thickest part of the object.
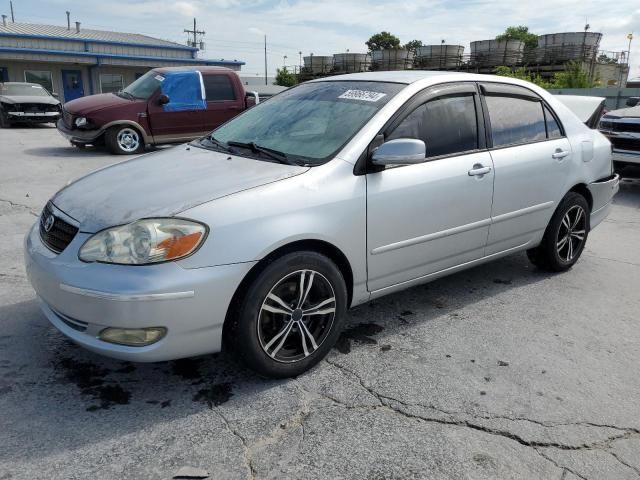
(269, 152)
(215, 142)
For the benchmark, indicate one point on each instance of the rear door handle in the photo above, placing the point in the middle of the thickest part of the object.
(479, 169)
(559, 154)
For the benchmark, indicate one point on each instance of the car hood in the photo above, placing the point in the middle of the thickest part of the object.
(96, 103)
(163, 184)
(29, 99)
(631, 112)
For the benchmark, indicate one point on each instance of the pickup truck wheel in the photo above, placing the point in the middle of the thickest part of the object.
(565, 236)
(290, 316)
(124, 140)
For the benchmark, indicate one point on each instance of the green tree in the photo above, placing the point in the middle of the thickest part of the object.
(412, 45)
(521, 33)
(383, 41)
(521, 73)
(285, 78)
(574, 76)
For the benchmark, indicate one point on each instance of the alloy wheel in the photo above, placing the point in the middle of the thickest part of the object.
(296, 316)
(571, 234)
(128, 140)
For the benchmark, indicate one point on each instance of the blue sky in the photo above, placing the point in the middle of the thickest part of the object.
(325, 27)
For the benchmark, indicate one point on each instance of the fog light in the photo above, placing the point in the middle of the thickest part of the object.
(133, 337)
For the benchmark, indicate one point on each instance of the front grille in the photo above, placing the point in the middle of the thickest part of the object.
(67, 119)
(608, 126)
(37, 107)
(60, 232)
(625, 143)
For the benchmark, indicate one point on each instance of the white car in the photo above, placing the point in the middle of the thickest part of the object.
(259, 236)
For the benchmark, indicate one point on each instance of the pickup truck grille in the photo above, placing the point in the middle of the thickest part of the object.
(625, 143)
(67, 119)
(57, 235)
(609, 126)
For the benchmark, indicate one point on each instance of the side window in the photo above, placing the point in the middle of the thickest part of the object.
(218, 87)
(447, 125)
(553, 129)
(515, 120)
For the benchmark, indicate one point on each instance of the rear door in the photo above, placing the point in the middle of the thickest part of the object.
(428, 217)
(532, 159)
(223, 100)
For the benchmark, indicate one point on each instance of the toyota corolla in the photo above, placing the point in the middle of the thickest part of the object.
(259, 237)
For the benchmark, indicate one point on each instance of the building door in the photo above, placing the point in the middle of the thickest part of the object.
(72, 86)
(4, 74)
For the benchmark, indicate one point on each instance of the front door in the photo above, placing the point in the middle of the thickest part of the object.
(72, 86)
(435, 215)
(181, 118)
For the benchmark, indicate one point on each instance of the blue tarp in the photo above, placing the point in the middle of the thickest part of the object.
(185, 91)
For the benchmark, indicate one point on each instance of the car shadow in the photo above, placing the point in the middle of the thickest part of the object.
(58, 387)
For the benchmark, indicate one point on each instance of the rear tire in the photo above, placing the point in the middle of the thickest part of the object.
(124, 140)
(565, 236)
(290, 316)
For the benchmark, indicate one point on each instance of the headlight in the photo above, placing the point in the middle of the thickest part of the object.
(151, 240)
(81, 122)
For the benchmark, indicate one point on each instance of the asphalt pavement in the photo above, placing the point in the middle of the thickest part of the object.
(499, 372)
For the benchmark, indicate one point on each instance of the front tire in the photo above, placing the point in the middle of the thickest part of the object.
(291, 315)
(565, 236)
(124, 140)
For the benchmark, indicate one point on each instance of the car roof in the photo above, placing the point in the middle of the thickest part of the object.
(200, 68)
(398, 76)
(19, 83)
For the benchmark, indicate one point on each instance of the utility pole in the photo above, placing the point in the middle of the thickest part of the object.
(265, 59)
(300, 53)
(13, 19)
(284, 61)
(195, 32)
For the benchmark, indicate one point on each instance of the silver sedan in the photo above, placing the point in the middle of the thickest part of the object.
(259, 237)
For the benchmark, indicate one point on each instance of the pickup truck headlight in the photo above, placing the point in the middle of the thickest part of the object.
(81, 122)
(152, 240)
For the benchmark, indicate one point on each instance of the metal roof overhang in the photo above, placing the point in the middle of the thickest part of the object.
(98, 56)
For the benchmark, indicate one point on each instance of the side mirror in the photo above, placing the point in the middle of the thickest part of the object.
(163, 99)
(402, 151)
(253, 98)
(632, 102)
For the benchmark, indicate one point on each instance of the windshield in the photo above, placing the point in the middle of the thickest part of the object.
(24, 89)
(311, 121)
(145, 86)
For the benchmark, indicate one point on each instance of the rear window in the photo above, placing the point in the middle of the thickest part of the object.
(515, 120)
(218, 87)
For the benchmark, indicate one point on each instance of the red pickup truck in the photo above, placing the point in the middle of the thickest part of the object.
(165, 105)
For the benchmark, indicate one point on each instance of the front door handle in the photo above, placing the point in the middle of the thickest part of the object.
(559, 154)
(479, 169)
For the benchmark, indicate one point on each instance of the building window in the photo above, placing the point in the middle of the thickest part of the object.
(41, 77)
(111, 82)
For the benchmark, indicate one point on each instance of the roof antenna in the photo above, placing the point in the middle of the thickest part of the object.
(13, 19)
(68, 20)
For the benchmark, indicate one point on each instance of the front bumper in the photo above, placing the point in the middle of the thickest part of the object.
(77, 135)
(80, 299)
(602, 193)
(33, 117)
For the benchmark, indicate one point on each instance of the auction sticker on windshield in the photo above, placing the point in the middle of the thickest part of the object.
(364, 95)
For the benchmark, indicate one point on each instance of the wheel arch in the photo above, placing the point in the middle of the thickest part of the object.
(130, 123)
(320, 246)
(582, 189)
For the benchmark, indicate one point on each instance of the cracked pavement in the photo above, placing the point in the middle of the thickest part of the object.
(498, 372)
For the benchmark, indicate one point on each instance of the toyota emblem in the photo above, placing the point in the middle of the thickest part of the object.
(48, 223)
